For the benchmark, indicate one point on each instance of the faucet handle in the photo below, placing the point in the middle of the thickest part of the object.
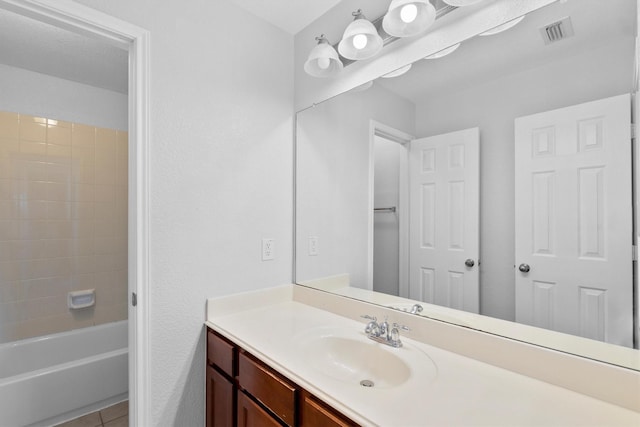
(372, 318)
(403, 327)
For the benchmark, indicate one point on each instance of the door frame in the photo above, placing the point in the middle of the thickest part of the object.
(95, 24)
(404, 139)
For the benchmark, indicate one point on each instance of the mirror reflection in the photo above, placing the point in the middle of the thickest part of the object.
(493, 178)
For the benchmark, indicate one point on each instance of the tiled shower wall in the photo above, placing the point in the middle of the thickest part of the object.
(63, 224)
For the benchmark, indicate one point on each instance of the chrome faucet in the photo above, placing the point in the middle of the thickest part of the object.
(417, 308)
(382, 332)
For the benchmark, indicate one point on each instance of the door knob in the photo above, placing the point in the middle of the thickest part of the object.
(524, 268)
(469, 263)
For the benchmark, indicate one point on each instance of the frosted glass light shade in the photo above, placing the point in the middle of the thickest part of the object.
(398, 72)
(398, 23)
(443, 52)
(461, 3)
(367, 40)
(323, 60)
(503, 27)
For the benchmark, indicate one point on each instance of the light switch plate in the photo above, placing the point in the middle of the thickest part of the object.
(313, 246)
(268, 249)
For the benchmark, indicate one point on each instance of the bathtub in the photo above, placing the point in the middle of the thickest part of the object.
(51, 379)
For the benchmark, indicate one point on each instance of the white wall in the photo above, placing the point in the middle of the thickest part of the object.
(333, 186)
(221, 99)
(40, 95)
(493, 107)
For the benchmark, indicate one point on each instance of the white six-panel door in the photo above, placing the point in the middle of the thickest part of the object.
(574, 220)
(444, 220)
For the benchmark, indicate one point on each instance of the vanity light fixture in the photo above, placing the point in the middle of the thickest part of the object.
(360, 40)
(406, 18)
(398, 72)
(323, 60)
(461, 3)
(443, 52)
(503, 27)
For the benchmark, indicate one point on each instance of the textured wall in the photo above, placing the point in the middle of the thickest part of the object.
(221, 99)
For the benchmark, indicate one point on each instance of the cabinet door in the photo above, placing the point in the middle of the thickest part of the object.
(220, 395)
(250, 414)
(317, 413)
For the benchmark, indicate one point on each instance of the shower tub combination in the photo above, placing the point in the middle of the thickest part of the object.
(51, 379)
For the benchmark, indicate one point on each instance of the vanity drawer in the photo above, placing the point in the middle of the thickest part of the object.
(317, 413)
(269, 387)
(220, 352)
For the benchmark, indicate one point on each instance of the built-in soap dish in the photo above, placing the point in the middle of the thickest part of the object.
(81, 299)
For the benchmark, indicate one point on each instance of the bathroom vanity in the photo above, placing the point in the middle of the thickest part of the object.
(243, 390)
(298, 356)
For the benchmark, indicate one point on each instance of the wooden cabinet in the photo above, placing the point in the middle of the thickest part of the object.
(314, 412)
(250, 414)
(220, 395)
(244, 391)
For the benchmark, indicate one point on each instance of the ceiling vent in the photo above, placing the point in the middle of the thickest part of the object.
(557, 31)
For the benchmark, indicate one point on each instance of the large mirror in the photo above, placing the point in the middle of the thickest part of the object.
(492, 184)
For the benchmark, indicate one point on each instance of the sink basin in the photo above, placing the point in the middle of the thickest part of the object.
(357, 360)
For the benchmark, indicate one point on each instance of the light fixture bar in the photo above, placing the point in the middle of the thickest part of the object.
(386, 38)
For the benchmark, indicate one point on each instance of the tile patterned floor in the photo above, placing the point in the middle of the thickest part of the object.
(113, 416)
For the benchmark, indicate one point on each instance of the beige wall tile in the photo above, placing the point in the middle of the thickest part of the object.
(83, 171)
(9, 229)
(9, 271)
(59, 135)
(60, 229)
(9, 209)
(58, 209)
(82, 210)
(52, 248)
(33, 147)
(106, 137)
(32, 170)
(63, 205)
(9, 146)
(83, 265)
(25, 118)
(103, 245)
(83, 229)
(105, 193)
(30, 130)
(59, 154)
(10, 189)
(60, 123)
(10, 292)
(33, 209)
(83, 193)
(83, 136)
(83, 152)
(35, 190)
(46, 287)
(58, 191)
(9, 125)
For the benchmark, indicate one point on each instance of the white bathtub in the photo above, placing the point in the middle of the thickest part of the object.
(51, 379)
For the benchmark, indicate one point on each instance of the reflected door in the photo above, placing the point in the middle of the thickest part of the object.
(574, 220)
(444, 220)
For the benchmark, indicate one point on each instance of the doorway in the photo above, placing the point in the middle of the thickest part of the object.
(89, 22)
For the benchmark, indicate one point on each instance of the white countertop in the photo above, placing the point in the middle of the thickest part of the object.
(461, 391)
